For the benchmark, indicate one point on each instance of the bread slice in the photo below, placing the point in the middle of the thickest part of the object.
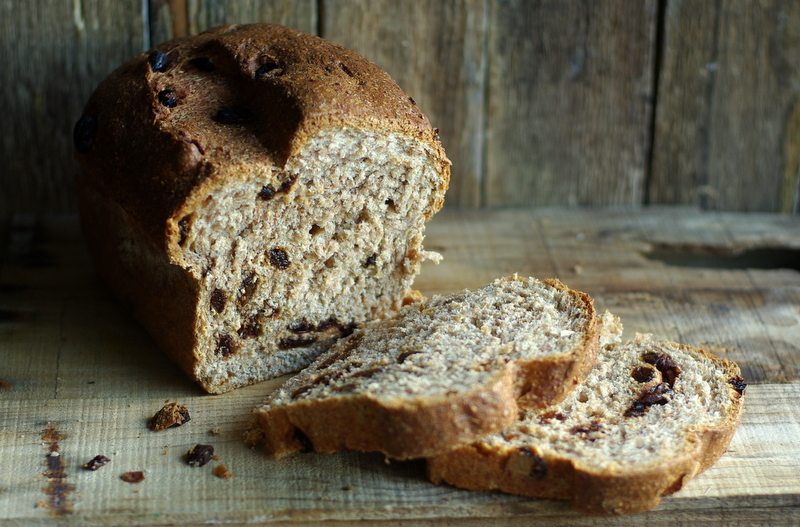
(649, 417)
(439, 374)
(254, 192)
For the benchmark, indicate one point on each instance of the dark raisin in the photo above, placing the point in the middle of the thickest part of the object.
(171, 414)
(738, 384)
(157, 60)
(301, 391)
(345, 69)
(183, 230)
(339, 355)
(96, 462)
(226, 346)
(406, 354)
(648, 398)
(167, 98)
(136, 476)
(585, 430)
(251, 328)
(273, 311)
(286, 185)
(371, 259)
(266, 68)
(278, 258)
(247, 289)
(669, 368)
(199, 455)
(218, 299)
(538, 465)
(266, 193)
(369, 372)
(296, 342)
(202, 63)
(643, 374)
(301, 326)
(84, 133)
(551, 414)
(233, 115)
(305, 443)
(328, 324)
(347, 330)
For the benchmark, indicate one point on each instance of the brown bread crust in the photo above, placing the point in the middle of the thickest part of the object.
(613, 490)
(403, 426)
(159, 143)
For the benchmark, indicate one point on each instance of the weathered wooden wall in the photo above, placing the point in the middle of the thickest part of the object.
(539, 102)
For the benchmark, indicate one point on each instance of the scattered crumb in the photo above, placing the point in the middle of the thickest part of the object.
(4, 385)
(324, 498)
(80, 420)
(172, 414)
(347, 487)
(215, 431)
(215, 457)
(138, 490)
(577, 270)
(133, 476)
(53, 454)
(221, 471)
(164, 452)
(41, 504)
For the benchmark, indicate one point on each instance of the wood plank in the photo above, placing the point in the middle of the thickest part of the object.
(570, 96)
(299, 14)
(727, 127)
(53, 55)
(435, 51)
(80, 374)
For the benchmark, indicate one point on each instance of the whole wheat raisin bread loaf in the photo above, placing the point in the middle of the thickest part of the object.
(439, 374)
(253, 193)
(650, 416)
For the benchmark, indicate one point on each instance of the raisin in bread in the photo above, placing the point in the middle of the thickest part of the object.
(253, 193)
(439, 374)
(649, 417)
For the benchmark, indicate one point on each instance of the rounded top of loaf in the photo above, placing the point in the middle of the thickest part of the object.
(214, 105)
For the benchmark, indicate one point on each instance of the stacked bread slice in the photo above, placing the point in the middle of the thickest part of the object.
(521, 387)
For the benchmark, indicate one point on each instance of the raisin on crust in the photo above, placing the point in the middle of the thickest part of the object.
(235, 182)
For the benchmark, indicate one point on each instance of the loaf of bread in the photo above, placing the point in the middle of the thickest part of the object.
(438, 374)
(253, 193)
(649, 417)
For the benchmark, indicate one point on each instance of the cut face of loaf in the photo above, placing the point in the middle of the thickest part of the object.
(439, 374)
(253, 194)
(649, 417)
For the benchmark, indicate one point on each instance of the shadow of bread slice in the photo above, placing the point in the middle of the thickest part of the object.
(253, 192)
(649, 417)
(439, 374)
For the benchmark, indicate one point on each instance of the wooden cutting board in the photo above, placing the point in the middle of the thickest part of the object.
(79, 378)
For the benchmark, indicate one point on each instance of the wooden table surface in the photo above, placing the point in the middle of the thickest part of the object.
(79, 378)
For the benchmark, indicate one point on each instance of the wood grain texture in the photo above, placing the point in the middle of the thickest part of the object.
(570, 96)
(727, 127)
(81, 378)
(434, 49)
(299, 14)
(54, 54)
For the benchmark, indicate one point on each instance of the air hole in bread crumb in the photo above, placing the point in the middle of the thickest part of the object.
(330, 262)
(583, 397)
(390, 206)
(315, 229)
